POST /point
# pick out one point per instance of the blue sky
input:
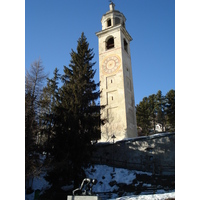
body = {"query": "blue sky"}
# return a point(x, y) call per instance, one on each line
point(52, 29)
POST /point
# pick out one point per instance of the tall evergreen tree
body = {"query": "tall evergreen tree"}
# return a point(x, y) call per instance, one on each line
point(152, 110)
point(170, 109)
point(160, 108)
point(77, 118)
point(156, 109)
point(83, 89)
point(80, 86)
point(143, 115)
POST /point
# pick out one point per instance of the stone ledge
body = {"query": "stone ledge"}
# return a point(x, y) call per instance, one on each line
point(83, 198)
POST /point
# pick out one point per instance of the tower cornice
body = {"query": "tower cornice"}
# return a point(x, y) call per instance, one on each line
point(102, 32)
point(120, 27)
point(125, 32)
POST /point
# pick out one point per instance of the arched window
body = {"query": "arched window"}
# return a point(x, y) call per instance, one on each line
point(117, 20)
point(110, 43)
point(108, 22)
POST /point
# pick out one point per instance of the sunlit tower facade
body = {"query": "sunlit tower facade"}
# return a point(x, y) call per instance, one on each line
point(116, 81)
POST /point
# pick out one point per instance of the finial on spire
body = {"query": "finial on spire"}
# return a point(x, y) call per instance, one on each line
point(112, 5)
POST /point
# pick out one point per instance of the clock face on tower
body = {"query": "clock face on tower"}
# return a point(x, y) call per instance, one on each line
point(111, 64)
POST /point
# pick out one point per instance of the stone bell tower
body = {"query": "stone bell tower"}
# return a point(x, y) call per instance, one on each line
point(116, 81)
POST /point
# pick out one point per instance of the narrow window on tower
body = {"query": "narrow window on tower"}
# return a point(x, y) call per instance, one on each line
point(117, 20)
point(125, 46)
point(110, 80)
point(123, 24)
point(108, 22)
point(110, 43)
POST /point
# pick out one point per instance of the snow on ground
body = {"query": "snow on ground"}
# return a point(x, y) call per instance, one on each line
point(104, 174)
point(149, 197)
point(39, 183)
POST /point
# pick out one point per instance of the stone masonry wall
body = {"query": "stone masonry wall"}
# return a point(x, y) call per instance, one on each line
point(154, 154)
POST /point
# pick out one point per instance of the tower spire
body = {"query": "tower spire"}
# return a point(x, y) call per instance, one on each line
point(112, 5)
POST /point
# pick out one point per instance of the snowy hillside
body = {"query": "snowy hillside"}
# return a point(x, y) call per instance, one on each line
point(105, 175)
point(39, 183)
point(110, 183)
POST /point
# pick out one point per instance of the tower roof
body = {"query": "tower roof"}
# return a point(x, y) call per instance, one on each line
point(112, 17)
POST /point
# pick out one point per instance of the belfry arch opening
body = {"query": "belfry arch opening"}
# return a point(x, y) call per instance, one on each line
point(110, 43)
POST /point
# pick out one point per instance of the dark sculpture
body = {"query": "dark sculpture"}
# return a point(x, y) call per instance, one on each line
point(86, 187)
